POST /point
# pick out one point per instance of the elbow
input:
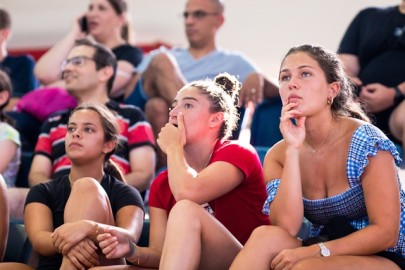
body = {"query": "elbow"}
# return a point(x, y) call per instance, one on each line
point(392, 240)
point(32, 179)
point(35, 178)
point(389, 237)
point(140, 180)
point(46, 77)
point(185, 194)
point(180, 195)
point(291, 227)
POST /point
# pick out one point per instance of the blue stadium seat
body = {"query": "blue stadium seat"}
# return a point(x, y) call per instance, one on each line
point(18, 245)
point(144, 239)
point(22, 176)
point(29, 128)
point(264, 130)
point(262, 151)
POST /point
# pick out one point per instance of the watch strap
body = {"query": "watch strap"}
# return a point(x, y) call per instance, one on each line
point(398, 93)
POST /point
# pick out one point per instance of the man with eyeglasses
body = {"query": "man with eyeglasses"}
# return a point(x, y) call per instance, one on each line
point(89, 72)
point(163, 72)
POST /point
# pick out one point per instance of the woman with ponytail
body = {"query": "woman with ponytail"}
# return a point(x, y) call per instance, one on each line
point(208, 201)
point(63, 217)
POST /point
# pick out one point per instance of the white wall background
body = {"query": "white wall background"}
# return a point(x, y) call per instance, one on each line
point(263, 29)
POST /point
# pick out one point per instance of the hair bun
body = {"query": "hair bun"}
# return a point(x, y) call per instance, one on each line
point(228, 82)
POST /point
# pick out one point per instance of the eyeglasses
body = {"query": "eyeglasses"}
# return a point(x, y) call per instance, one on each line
point(76, 61)
point(198, 14)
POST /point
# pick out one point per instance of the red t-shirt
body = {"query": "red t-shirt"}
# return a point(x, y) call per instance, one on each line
point(240, 210)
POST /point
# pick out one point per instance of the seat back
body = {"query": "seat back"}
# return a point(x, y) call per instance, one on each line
point(29, 128)
point(18, 245)
point(262, 151)
point(144, 239)
point(265, 130)
point(22, 176)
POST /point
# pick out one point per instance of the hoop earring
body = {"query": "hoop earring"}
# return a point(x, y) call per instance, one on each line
point(330, 101)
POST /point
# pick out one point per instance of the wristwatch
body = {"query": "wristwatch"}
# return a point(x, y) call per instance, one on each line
point(398, 93)
point(325, 252)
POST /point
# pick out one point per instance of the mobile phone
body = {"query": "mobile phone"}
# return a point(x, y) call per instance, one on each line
point(83, 24)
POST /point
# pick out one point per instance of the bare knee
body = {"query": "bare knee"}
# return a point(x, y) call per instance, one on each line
point(86, 185)
point(161, 63)
point(156, 105)
point(269, 232)
point(185, 208)
point(157, 113)
point(160, 66)
point(185, 212)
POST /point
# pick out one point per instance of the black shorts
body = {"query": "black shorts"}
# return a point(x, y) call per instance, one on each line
point(339, 227)
point(392, 256)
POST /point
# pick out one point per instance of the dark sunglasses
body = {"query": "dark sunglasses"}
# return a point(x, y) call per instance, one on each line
point(198, 14)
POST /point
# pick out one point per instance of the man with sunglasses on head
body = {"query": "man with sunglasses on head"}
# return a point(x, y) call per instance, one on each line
point(89, 72)
point(163, 72)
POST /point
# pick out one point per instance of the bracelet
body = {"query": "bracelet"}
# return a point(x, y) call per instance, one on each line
point(133, 248)
point(97, 229)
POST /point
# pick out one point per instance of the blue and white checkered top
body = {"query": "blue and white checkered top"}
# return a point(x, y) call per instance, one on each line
point(366, 141)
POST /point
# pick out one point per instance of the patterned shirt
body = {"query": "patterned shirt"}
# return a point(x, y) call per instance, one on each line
point(135, 131)
point(7, 132)
point(366, 141)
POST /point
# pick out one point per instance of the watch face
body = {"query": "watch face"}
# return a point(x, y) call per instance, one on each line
point(325, 252)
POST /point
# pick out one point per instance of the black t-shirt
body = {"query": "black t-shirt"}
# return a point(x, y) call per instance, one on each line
point(128, 53)
point(55, 193)
point(20, 69)
point(377, 37)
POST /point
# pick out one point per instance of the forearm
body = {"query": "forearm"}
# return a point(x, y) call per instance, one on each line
point(48, 67)
point(95, 228)
point(146, 257)
point(140, 179)
point(36, 178)
point(42, 243)
point(3, 230)
point(180, 173)
point(287, 208)
point(351, 64)
point(122, 78)
point(4, 219)
point(370, 240)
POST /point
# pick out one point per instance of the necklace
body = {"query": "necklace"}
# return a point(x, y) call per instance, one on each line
point(315, 149)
